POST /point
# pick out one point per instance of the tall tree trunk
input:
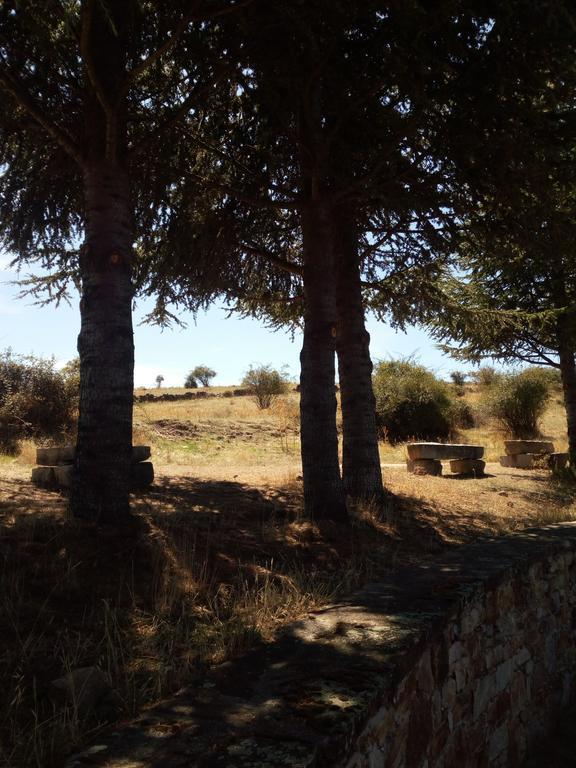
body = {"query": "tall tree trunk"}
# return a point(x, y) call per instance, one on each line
point(568, 376)
point(323, 490)
point(361, 471)
point(100, 490)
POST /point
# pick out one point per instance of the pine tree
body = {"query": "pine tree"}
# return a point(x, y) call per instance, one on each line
point(96, 88)
point(516, 293)
point(331, 164)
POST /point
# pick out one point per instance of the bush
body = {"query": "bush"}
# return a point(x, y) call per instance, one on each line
point(462, 415)
point(265, 384)
point(549, 374)
point(36, 400)
point(411, 403)
point(518, 401)
point(190, 382)
point(486, 376)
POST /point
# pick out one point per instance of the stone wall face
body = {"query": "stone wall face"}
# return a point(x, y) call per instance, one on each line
point(452, 662)
point(488, 681)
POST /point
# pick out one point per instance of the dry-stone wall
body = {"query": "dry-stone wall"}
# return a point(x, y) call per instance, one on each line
point(168, 397)
point(456, 663)
point(490, 680)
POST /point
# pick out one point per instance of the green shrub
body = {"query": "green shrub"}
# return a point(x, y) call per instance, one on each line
point(411, 403)
point(549, 374)
point(36, 400)
point(462, 415)
point(265, 384)
point(518, 401)
point(486, 376)
point(190, 381)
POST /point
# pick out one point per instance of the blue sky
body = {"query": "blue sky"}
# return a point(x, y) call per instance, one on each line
point(228, 345)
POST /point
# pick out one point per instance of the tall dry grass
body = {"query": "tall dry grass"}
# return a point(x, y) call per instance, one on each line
point(151, 608)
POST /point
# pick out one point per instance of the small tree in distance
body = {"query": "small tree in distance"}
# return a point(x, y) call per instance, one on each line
point(190, 381)
point(458, 378)
point(265, 384)
point(203, 374)
point(159, 380)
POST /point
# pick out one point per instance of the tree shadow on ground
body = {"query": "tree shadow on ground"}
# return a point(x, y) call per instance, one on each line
point(204, 571)
point(304, 699)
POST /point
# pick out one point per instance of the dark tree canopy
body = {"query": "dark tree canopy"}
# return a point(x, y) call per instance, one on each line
point(514, 298)
point(96, 91)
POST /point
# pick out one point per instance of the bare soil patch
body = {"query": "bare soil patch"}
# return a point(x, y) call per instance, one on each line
point(230, 431)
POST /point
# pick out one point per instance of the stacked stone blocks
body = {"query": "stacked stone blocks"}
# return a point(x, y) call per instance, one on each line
point(532, 454)
point(426, 458)
point(486, 688)
point(56, 467)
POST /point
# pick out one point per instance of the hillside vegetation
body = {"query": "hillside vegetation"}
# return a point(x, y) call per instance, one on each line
point(217, 558)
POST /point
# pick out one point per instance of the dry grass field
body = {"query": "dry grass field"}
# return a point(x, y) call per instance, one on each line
point(216, 558)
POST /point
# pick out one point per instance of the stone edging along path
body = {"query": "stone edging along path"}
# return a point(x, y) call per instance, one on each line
point(458, 662)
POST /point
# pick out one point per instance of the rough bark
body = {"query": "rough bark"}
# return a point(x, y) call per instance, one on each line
point(323, 490)
point(361, 471)
point(568, 376)
point(100, 489)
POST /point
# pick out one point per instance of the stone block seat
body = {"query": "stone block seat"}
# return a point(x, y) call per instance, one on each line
point(532, 454)
point(426, 458)
point(56, 467)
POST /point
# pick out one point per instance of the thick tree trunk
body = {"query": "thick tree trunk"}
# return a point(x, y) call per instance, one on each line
point(323, 490)
point(100, 491)
point(568, 375)
point(361, 471)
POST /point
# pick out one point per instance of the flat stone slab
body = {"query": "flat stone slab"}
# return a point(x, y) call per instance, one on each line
point(522, 461)
point(424, 467)
point(513, 447)
point(444, 451)
point(44, 477)
point(142, 475)
point(535, 460)
point(65, 454)
point(140, 453)
point(467, 466)
point(60, 476)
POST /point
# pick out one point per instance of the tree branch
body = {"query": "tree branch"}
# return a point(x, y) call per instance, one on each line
point(284, 264)
point(150, 60)
point(179, 30)
point(177, 115)
point(86, 53)
point(27, 102)
point(232, 8)
point(242, 197)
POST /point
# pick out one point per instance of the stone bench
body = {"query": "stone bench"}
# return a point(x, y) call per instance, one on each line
point(532, 454)
point(56, 467)
point(426, 458)
point(65, 454)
